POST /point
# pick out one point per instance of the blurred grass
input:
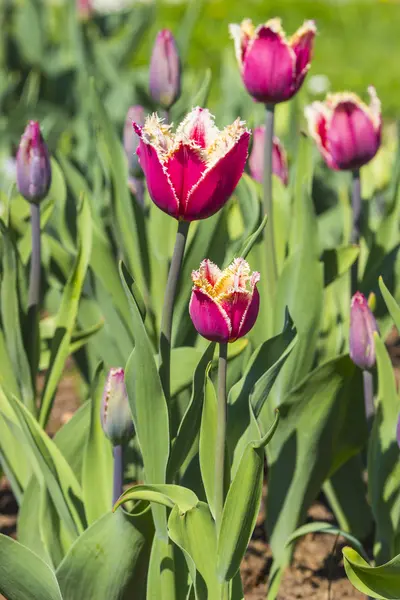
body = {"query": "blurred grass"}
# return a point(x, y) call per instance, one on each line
point(358, 41)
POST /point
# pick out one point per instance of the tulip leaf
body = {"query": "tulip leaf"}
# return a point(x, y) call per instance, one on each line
point(381, 582)
point(167, 494)
point(253, 238)
point(148, 404)
point(109, 560)
point(383, 459)
point(391, 303)
point(323, 527)
point(97, 468)
point(241, 507)
point(338, 261)
point(23, 575)
point(190, 424)
point(72, 437)
point(208, 440)
point(68, 311)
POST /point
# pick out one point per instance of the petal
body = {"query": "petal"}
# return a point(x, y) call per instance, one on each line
point(242, 35)
point(184, 167)
point(251, 314)
point(209, 319)
point(198, 127)
point(218, 182)
point(256, 158)
point(279, 161)
point(235, 305)
point(210, 271)
point(302, 43)
point(158, 182)
point(318, 115)
point(269, 66)
point(352, 137)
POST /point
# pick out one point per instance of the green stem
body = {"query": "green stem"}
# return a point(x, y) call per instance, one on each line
point(34, 293)
point(168, 308)
point(272, 271)
point(221, 434)
point(368, 383)
point(118, 473)
point(355, 233)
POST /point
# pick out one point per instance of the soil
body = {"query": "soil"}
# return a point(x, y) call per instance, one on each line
point(316, 573)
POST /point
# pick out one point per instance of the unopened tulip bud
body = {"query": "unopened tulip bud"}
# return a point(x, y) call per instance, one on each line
point(135, 114)
point(362, 328)
point(165, 70)
point(33, 165)
point(116, 418)
point(256, 159)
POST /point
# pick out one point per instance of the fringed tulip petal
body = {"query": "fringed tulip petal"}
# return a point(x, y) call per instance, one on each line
point(302, 43)
point(250, 316)
point(208, 317)
point(184, 167)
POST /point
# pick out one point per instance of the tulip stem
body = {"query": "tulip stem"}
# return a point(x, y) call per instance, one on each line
point(34, 293)
point(368, 382)
point(221, 433)
point(118, 473)
point(355, 233)
point(272, 269)
point(168, 308)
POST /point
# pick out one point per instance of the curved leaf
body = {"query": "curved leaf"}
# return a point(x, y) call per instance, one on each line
point(379, 582)
point(167, 495)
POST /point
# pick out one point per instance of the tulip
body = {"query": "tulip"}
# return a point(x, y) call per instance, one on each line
point(116, 419)
point(224, 304)
point(362, 328)
point(256, 159)
point(346, 130)
point(33, 165)
point(135, 114)
point(192, 173)
point(165, 70)
point(272, 67)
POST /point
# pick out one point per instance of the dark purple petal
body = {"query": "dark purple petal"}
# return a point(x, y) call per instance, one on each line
point(208, 317)
point(250, 316)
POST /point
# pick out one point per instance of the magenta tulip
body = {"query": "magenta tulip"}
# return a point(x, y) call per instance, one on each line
point(256, 159)
point(165, 70)
point(362, 328)
point(224, 304)
point(116, 419)
point(346, 130)
point(272, 67)
point(33, 164)
point(192, 173)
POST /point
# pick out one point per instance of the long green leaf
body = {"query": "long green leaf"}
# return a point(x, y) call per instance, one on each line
point(207, 444)
point(377, 582)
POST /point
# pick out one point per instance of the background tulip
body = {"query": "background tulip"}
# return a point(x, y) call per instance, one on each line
point(224, 304)
point(135, 114)
point(256, 158)
point(165, 70)
point(33, 164)
point(362, 328)
point(346, 130)
point(272, 67)
point(192, 173)
point(116, 418)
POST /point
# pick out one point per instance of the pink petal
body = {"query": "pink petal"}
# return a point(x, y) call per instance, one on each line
point(210, 271)
point(302, 44)
point(218, 183)
point(236, 306)
point(251, 315)
point(256, 159)
point(279, 161)
point(208, 317)
point(269, 67)
point(317, 117)
point(352, 137)
point(184, 168)
point(158, 183)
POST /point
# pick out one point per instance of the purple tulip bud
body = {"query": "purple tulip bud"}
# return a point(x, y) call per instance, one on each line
point(362, 328)
point(398, 431)
point(33, 165)
point(165, 70)
point(116, 418)
point(135, 114)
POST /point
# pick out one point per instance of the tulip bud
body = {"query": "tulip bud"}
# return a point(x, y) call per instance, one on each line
point(135, 114)
point(165, 70)
point(33, 165)
point(116, 418)
point(362, 328)
point(256, 159)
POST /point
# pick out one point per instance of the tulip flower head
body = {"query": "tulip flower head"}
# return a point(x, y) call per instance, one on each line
point(116, 418)
point(256, 159)
point(33, 165)
point(224, 304)
point(362, 328)
point(135, 114)
point(192, 173)
point(165, 70)
point(272, 67)
point(346, 130)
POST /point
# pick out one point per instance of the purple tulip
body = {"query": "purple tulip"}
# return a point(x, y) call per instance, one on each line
point(116, 418)
point(224, 304)
point(135, 114)
point(191, 173)
point(33, 165)
point(165, 70)
point(362, 328)
point(346, 130)
point(273, 68)
point(256, 159)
